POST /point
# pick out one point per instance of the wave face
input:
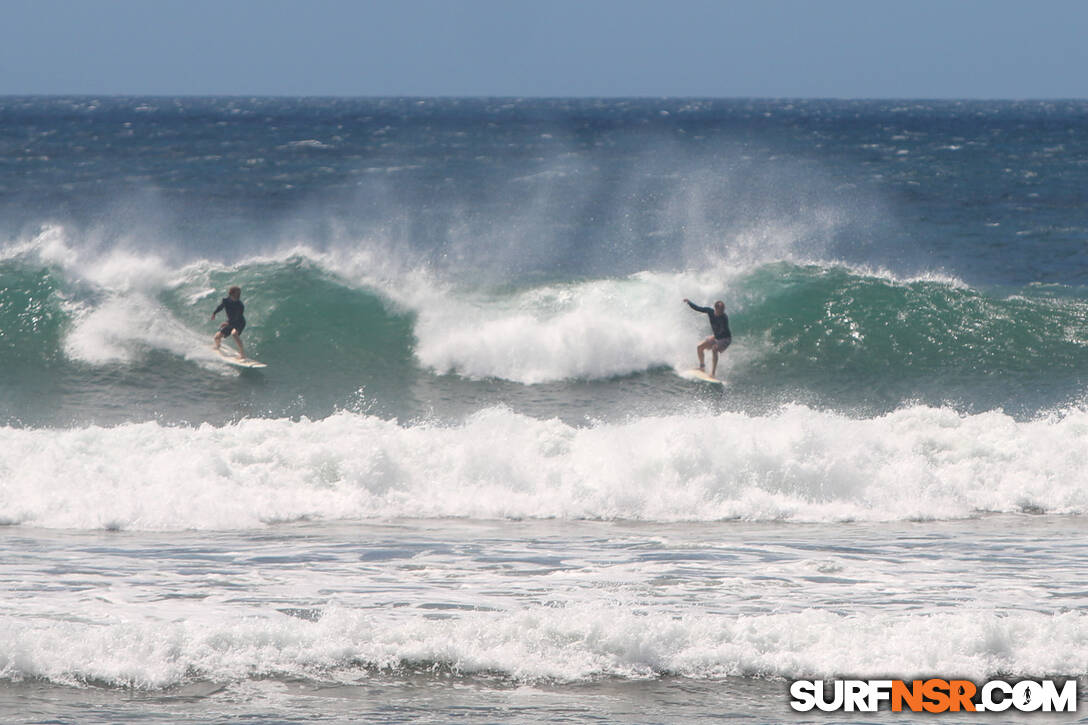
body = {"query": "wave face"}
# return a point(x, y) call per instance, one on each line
point(351, 328)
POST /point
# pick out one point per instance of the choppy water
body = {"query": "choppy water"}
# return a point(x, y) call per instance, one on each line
point(469, 483)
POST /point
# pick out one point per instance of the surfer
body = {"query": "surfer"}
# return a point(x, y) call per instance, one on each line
point(236, 321)
point(719, 323)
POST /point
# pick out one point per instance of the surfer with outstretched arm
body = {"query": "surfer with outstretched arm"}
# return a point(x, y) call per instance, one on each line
point(236, 321)
point(719, 323)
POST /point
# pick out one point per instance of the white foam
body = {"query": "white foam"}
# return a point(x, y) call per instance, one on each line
point(595, 329)
point(122, 328)
point(116, 316)
point(111, 646)
point(796, 465)
point(309, 143)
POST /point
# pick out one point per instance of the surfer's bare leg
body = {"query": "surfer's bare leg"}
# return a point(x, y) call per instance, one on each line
point(714, 365)
point(705, 345)
point(218, 339)
point(242, 351)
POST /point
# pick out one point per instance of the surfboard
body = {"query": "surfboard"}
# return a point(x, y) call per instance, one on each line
point(231, 358)
point(700, 376)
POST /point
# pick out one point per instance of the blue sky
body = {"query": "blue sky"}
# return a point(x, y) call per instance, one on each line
point(717, 48)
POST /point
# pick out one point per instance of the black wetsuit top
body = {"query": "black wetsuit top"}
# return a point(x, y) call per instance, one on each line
point(234, 309)
point(718, 323)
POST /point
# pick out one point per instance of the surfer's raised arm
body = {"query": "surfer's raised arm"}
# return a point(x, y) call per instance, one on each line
point(697, 308)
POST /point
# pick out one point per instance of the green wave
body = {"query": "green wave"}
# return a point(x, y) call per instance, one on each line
point(816, 321)
point(823, 329)
point(301, 314)
point(329, 341)
point(32, 317)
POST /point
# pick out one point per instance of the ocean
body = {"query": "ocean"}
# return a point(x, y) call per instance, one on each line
point(470, 485)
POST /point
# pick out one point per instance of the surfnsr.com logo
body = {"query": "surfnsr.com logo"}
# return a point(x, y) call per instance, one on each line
point(934, 695)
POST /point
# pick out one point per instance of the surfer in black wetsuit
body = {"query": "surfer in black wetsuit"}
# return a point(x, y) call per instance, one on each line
point(719, 323)
point(236, 321)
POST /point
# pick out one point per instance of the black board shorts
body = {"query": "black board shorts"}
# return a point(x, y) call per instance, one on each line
point(226, 327)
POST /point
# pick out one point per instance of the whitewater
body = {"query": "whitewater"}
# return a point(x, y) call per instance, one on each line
point(797, 465)
point(470, 484)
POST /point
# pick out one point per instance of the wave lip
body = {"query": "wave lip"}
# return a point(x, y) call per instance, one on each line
point(797, 465)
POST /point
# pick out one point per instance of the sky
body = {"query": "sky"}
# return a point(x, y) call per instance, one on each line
point(971, 49)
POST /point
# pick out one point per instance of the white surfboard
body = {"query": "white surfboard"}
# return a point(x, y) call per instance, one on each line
point(700, 376)
point(231, 358)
